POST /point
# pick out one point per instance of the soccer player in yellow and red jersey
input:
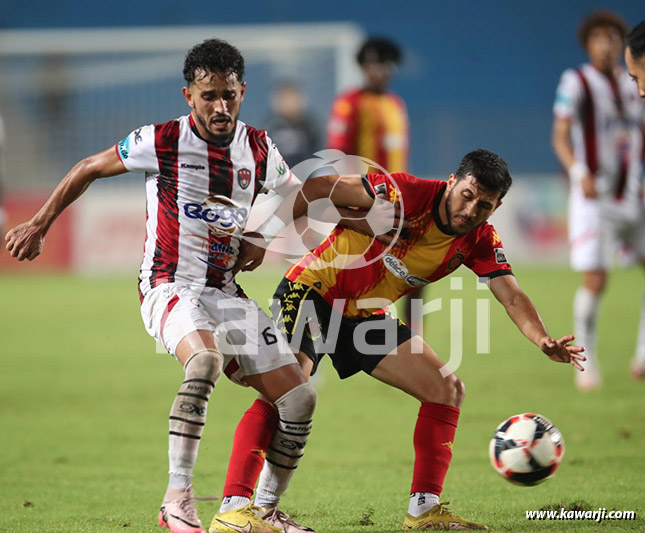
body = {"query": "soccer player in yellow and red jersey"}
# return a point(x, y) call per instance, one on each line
point(331, 295)
point(372, 121)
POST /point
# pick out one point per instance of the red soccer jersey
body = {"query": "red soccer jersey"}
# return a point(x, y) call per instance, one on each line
point(371, 125)
point(350, 266)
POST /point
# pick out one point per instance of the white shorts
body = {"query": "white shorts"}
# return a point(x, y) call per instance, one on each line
point(598, 228)
point(247, 338)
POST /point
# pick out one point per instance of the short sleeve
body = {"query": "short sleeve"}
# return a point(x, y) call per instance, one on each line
point(278, 172)
point(341, 128)
point(568, 96)
point(414, 194)
point(137, 151)
point(487, 258)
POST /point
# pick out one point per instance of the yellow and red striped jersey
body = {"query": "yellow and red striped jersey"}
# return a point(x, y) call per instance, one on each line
point(371, 125)
point(351, 266)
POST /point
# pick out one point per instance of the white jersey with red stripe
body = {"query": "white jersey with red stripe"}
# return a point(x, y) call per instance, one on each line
point(198, 199)
point(606, 127)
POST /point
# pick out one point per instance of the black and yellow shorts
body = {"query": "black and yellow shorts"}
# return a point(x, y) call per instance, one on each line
point(313, 327)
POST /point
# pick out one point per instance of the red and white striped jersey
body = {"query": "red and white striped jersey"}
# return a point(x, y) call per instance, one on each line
point(606, 127)
point(198, 199)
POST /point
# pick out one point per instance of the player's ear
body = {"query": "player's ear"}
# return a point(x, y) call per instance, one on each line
point(451, 181)
point(242, 91)
point(188, 96)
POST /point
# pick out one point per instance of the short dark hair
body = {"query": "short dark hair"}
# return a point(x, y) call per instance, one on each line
point(489, 169)
point(213, 55)
point(380, 49)
point(601, 18)
point(636, 41)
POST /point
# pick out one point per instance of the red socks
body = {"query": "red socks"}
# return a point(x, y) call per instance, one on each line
point(434, 435)
point(251, 441)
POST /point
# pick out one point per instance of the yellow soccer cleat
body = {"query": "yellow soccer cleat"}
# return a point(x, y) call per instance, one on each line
point(243, 520)
point(439, 517)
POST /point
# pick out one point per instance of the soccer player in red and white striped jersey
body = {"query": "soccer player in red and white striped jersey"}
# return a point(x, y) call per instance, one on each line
point(202, 173)
point(598, 138)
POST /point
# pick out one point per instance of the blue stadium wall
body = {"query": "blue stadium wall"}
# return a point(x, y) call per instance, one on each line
point(476, 73)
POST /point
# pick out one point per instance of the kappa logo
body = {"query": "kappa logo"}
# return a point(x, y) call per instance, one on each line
point(137, 136)
point(281, 168)
point(244, 177)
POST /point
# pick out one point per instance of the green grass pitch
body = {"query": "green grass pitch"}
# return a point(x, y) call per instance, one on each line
point(85, 400)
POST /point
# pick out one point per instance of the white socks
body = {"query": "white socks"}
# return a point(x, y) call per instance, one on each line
point(420, 502)
point(233, 502)
point(585, 314)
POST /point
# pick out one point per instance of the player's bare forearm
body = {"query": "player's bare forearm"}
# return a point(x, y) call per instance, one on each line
point(343, 191)
point(75, 183)
point(25, 241)
point(519, 308)
point(561, 142)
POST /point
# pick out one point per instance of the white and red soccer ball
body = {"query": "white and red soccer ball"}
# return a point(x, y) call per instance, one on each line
point(526, 449)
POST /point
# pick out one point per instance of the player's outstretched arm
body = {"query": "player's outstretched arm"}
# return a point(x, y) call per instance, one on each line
point(25, 241)
point(526, 317)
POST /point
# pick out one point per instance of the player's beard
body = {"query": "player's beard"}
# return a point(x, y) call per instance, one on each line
point(219, 139)
point(449, 217)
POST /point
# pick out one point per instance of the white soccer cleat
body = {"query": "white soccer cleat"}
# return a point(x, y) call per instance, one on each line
point(589, 380)
point(179, 515)
point(638, 368)
point(277, 518)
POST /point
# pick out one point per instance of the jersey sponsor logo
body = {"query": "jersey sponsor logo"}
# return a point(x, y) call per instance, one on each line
point(396, 266)
point(124, 147)
point(215, 254)
point(193, 167)
point(500, 256)
point(220, 213)
point(415, 281)
point(244, 177)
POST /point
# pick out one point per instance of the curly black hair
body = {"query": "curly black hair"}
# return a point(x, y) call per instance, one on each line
point(636, 41)
point(380, 49)
point(489, 169)
point(213, 55)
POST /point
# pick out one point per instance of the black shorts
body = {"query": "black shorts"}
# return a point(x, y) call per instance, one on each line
point(313, 327)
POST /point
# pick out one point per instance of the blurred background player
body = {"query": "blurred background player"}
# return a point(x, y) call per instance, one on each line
point(598, 139)
point(292, 128)
point(635, 61)
point(372, 121)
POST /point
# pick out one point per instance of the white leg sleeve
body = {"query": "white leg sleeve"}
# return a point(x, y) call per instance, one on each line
point(295, 409)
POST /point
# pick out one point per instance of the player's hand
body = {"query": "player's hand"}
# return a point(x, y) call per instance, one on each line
point(560, 351)
point(252, 250)
point(589, 188)
point(25, 241)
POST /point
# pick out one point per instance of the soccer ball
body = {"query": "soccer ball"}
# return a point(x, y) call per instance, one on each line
point(526, 449)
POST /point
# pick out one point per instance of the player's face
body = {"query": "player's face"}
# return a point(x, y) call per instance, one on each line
point(636, 69)
point(378, 73)
point(604, 47)
point(215, 99)
point(468, 205)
